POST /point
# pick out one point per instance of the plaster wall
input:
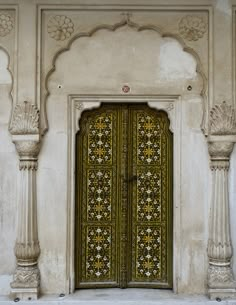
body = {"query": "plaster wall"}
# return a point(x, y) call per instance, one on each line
point(8, 161)
point(100, 65)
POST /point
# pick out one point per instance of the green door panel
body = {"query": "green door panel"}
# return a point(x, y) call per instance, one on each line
point(124, 198)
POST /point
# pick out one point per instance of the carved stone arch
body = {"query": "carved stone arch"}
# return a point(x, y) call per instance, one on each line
point(127, 22)
point(11, 76)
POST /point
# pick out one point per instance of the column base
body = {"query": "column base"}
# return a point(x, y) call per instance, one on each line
point(221, 282)
point(26, 281)
point(25, 294)
point(221, 293)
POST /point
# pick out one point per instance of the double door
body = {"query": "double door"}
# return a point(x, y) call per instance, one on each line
point(124, 198)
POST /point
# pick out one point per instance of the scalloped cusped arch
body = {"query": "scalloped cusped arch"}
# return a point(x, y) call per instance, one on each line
point(125, 25)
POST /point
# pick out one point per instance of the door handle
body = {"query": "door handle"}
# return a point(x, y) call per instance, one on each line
point(133, 178)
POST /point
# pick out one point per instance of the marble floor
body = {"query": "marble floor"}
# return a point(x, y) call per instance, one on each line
point(129, 296)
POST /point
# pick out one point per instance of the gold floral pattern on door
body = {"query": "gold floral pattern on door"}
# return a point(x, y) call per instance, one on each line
point(99, 195)
point(151, 193)
point(97, 214)
point(124, 181)
point(100, 140)
point(148, 252)
point(98, 252)
point(148, 194)
point(148, 140)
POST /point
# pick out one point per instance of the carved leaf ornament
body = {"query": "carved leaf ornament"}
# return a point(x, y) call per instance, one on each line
point(222, 120)
point(25, 119)
point(192, 27)
point(60, 27)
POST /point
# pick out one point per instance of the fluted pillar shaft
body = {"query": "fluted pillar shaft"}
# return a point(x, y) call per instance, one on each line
point(220, 275)
point(27, 277)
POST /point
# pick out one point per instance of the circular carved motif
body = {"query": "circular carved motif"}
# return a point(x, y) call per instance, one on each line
point(126, 89)
point(6, 24)
point(192, 27)
point(60, 27)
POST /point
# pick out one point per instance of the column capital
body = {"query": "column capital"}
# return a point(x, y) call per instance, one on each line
point(28, 147)
point(222, 131)
point(25, 134)
point(220, 150)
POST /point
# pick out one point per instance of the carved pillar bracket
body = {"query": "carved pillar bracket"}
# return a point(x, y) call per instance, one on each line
point(220, 279)
point(25, 134)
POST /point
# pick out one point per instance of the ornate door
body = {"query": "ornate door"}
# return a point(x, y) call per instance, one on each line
point(124, 198)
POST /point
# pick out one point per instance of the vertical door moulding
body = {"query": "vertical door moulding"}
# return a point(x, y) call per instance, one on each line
point(25, 134)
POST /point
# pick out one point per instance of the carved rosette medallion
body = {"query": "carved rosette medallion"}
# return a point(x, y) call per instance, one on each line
point(79, 105)
point(192, 28)
point(6, 24)
point(170, 107)
point(60, 27)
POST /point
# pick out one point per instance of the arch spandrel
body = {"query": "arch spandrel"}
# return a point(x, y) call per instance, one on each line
point(201, 90)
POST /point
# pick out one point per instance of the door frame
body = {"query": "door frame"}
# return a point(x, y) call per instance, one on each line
point(76, 105)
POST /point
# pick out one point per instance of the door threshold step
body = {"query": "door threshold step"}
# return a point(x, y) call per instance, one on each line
point(130, 296)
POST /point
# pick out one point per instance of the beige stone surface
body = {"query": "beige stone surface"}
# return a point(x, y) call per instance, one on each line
point(8, 182)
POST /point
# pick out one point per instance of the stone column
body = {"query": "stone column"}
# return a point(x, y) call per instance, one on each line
point(220, 275)
point(221, 282)
point(25, 135)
